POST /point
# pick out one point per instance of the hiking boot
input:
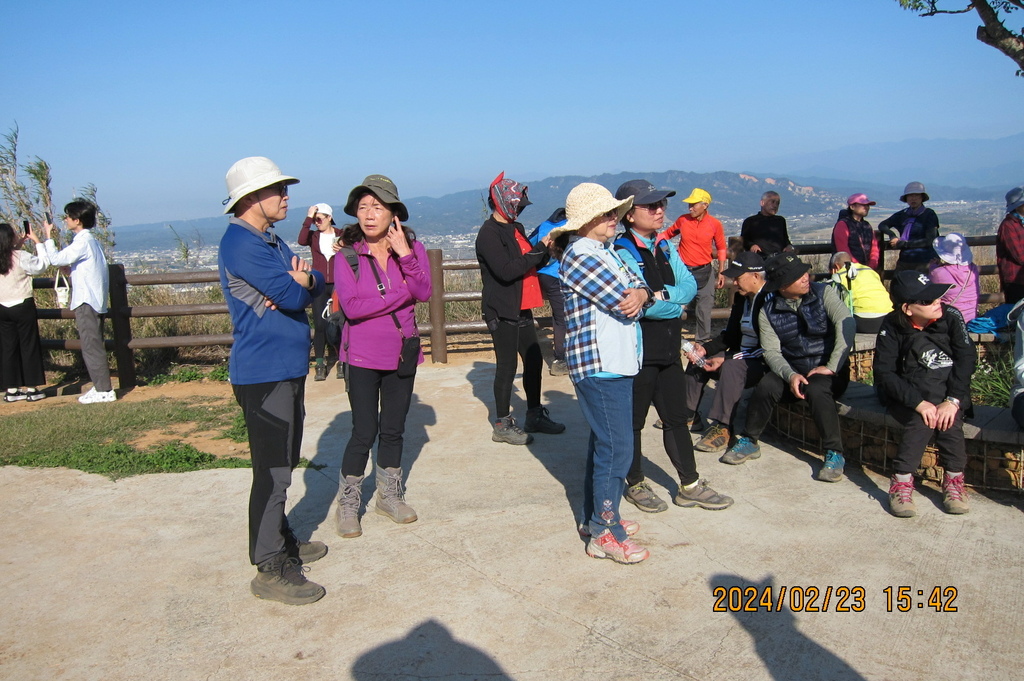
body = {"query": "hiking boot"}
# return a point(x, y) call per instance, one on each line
point(630, 526)
point(744, 448)
point(321, 372)
point(954, 495)
point(643, 497)
point(340, 373)
point(305, 551)
point(506, 430)
point(703, 496)
point(281, 579)
point(94, 396)
point(605, 545)
point(901, 498)
point(832, 471)
point(537, 421)
point(346, 513)
point(715, 439)
point(391, 496)
point(697, 423)
point(559, 368)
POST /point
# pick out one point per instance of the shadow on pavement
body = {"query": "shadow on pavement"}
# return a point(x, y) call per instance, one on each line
point(787, 652)
point(427, 652)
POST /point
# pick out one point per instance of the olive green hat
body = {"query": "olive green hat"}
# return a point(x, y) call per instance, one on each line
point(386, 192)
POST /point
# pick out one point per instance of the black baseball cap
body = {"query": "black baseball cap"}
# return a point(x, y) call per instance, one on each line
point(642, 191)
point(782, 270)
point(745, 261)
point(910, 285)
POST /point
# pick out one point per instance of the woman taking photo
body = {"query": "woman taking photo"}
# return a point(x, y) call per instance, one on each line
point(604, 299)
point(319, 233)
point(379, 302)
point(21, 357)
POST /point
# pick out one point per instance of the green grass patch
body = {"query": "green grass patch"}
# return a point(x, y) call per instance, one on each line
point(96, 440)
point(992, 383)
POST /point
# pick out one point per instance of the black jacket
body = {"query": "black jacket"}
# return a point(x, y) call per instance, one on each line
point(731, 337)
point(929, 364)
point(502, 267)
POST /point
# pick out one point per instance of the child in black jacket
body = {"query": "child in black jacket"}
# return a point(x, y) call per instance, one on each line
point(924, 360)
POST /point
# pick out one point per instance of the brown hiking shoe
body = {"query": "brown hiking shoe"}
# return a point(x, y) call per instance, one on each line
point(280, 579)
point(901, 498)
point(703, 496)
point(643, 497)
point(716, 439)
point(954, 495)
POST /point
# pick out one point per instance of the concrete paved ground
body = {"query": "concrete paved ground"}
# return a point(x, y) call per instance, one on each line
point(147, 577)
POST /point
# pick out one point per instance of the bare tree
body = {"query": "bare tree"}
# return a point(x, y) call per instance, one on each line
point(992, 32)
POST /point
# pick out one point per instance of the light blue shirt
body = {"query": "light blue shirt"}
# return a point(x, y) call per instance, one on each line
point(90, 281)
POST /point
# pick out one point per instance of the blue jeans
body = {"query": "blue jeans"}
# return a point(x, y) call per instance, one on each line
point(607, 404)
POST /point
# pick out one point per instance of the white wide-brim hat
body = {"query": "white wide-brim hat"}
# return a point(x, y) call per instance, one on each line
point(249, 175)
point(953, 249)
point(585, 202)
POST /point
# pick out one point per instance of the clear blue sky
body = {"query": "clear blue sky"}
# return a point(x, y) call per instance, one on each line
point(153, 102)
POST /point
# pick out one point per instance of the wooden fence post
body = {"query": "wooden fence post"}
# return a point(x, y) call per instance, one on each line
point(120, 319)
point(438, 334)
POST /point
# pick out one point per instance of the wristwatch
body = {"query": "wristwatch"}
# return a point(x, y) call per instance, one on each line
point(954, 401)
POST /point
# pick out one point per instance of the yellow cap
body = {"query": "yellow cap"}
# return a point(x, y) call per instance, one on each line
point(698, 196)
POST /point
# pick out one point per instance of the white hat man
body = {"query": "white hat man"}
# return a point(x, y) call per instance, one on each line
point(267, 289)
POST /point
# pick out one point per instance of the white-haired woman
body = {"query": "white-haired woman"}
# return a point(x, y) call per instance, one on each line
point(603, 301)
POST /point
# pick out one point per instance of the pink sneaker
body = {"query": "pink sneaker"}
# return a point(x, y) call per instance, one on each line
point(605, 545)
point(630, 526)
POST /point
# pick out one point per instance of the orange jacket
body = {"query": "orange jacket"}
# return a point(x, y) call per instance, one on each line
point(698, 238)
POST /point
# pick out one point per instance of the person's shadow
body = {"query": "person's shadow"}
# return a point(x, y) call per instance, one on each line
point(427, 652)
point(321, 477)
point(787, 652)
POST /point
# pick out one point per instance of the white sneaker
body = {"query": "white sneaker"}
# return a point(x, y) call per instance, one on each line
point(94, 396)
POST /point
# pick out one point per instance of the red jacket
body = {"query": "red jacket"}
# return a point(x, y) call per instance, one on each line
point(311, 237)
point(1010, 249)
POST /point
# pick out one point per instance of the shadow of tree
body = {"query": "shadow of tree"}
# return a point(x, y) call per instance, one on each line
point(787, 652)
point(428, 652)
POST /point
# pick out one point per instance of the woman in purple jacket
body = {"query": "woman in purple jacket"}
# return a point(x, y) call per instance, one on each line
point(379, 302)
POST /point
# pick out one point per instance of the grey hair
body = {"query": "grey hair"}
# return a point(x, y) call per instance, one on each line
point(840, 258)
point(769, 194)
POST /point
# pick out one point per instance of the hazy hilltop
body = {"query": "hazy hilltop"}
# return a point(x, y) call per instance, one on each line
point(735, 196)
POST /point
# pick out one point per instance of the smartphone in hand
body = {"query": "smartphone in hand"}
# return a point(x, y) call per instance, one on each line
point(28, 227)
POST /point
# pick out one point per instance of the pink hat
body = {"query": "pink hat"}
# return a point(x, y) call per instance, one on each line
point(859, 198)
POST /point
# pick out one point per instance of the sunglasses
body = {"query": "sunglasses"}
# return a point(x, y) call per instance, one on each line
point(653, 207)
point(924, 303)
point(611, 215)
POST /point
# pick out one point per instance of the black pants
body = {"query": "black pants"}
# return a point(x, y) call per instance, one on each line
point(380, 403)
point(662, 385)
point(273, 413)
point(21, 357)
point(916, 436)
point(820, 392)
point(869, 324)
point(552, 288)
point(512, 338)
point(1012, 292)
point(319, 323)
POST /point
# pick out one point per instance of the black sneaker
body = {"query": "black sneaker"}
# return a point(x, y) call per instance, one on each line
point(280, 579)
point(537, 421)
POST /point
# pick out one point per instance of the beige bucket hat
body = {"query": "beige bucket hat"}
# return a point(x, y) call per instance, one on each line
point(249, 175)
point(585, 202)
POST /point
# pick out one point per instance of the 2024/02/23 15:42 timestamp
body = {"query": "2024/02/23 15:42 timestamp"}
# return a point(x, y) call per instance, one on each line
point(906, 598)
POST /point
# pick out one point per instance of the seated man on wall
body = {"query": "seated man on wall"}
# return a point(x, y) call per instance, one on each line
point(765, 232)
point(733, 357)
point(806, 332)
point(863, 291)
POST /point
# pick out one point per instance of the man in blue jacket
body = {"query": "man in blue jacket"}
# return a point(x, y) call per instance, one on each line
point(267, 289)
point(661, 380)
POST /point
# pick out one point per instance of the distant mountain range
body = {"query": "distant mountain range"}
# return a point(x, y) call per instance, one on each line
point(735, 195)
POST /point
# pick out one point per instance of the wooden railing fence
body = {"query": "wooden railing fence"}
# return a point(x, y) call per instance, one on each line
point(438, 328)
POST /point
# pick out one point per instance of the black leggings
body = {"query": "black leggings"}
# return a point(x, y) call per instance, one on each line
point(319, 323)
point(512, 338)
point(380, 402)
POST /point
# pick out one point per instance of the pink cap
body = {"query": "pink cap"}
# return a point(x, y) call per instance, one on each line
point(859, 198)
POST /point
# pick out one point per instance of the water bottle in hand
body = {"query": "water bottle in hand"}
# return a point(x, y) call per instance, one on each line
point(688, 348)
